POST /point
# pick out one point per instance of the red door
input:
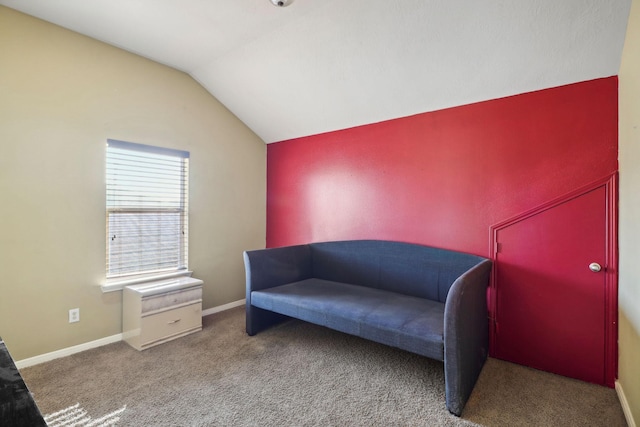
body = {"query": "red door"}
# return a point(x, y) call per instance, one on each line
point(550, 298)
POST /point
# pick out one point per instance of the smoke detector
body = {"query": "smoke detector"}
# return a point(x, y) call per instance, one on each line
point(281, 3)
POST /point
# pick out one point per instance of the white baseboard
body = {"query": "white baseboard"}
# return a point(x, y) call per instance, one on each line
point(625, 405)
point(67, 351)
point(25, 363)
point(223, 307)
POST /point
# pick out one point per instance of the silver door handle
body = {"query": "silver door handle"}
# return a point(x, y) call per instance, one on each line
point(595, 267)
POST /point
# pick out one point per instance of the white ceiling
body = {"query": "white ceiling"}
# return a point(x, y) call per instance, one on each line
point(318, 66)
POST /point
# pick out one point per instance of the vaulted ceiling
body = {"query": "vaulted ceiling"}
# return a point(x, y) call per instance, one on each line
point(317, 66)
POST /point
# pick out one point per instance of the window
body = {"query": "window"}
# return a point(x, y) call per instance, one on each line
point(147, 210)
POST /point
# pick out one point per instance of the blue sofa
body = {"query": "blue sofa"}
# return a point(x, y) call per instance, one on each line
point(417, 298)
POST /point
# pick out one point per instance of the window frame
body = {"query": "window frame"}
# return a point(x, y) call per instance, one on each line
point(119, 280)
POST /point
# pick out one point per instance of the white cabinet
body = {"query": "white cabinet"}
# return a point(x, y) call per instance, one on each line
point(154, 313)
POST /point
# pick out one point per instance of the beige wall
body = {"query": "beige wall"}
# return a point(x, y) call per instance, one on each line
point(629, 231)
point(61, 96)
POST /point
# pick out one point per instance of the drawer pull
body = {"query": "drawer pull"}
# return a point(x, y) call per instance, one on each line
point(173, 321)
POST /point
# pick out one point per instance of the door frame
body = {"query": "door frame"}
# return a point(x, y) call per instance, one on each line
point(610, 184)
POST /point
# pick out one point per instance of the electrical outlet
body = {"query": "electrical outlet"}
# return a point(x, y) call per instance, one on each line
point(74, 315)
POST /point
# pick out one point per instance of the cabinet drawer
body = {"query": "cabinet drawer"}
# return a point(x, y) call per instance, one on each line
point(171, 299)
point(168, 324)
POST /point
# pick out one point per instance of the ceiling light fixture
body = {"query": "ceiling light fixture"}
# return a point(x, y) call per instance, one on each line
point(281, 3)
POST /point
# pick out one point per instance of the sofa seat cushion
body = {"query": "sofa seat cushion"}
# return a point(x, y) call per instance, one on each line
point(406, 322)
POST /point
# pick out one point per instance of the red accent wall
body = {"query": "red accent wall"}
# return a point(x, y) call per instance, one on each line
point(442, 178)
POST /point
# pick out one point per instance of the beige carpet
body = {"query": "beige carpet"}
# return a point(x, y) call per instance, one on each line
point(299, 374)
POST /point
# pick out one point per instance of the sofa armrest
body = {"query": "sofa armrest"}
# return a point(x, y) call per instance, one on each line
point(267, 268)
point(466, 334)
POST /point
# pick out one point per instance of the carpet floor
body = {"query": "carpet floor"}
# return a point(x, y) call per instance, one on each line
point(298, 374)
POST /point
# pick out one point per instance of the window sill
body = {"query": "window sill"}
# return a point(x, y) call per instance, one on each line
point(114, 285)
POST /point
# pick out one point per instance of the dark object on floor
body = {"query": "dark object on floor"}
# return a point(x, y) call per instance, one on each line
point(17, 407)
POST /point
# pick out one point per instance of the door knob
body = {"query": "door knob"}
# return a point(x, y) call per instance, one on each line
point(595, 267)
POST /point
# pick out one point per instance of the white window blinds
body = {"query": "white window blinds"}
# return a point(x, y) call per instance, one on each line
point(147, 209)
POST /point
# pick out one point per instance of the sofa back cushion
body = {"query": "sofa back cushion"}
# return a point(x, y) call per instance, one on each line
point(409, 269)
